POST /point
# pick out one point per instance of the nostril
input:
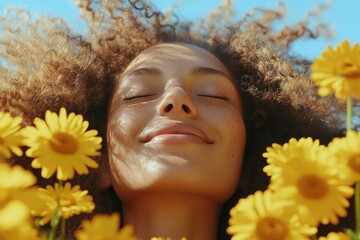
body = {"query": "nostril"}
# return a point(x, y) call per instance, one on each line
point(168, 107)
point(186, 108)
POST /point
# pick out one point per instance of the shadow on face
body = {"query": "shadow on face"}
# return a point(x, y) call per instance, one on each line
point(175, 124)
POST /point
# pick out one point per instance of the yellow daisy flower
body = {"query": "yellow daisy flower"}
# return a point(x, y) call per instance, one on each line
point(277, 154)
point(10, 135)
point(314, 182)
point(15, 177)
point(103, 227)
point(346, 151)
point(16, 223)
point(262, 216)
point(73, 201)
point(17, 184)
point(61, 143)
point(338, 71)
point(336, 236)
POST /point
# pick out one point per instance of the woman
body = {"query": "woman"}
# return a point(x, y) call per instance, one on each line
point(176, 103)
point(175, 141)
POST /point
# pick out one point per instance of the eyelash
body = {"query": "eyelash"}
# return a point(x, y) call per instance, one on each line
point(130, 97)
point(225, 98)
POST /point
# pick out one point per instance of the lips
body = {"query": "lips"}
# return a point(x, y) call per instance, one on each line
point(173, 129)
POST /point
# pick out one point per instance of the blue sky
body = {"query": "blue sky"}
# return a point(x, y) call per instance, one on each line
point(343, 16)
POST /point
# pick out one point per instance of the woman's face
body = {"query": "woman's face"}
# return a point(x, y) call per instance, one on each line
point(175, 124)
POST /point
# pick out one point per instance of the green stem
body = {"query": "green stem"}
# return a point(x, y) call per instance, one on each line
point(56, 216)
point(348, 114)
point(53, 225)
point(52, 234)
point(63, 228)
point(59, 194)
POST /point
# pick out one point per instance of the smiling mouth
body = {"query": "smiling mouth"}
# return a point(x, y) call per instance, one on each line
point(177, 138)
point(176, 133)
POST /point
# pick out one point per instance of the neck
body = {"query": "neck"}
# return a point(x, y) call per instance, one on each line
point(172, 215)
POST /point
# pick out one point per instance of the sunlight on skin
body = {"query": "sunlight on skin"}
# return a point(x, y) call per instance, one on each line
point(181, 159)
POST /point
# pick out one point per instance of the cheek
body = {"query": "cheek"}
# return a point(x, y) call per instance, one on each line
point(233, 133)
point(230, 128)
point(238, 132)
point(123, 128)
point(125, 123)
point(119, 129)
point(230, 125)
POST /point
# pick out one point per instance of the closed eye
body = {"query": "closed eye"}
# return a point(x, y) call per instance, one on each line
point(225, 98)
point(134, 96)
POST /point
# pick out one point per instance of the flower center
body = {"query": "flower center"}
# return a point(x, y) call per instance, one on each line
point(63, 143)
point(312, 186)
point(348, 69)
point(68, 201)
point(354, 163)
point(270, 228)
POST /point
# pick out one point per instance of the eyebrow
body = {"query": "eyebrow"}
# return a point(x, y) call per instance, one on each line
point(195, 71)
point(145, 71)
point(208, 70)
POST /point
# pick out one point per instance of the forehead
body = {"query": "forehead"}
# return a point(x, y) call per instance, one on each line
point(178, 54)
point(168, 60)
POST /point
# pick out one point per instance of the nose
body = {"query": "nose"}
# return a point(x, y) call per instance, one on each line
point(176, 101)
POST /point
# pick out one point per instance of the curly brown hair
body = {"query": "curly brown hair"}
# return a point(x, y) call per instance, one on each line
point(45, 65)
